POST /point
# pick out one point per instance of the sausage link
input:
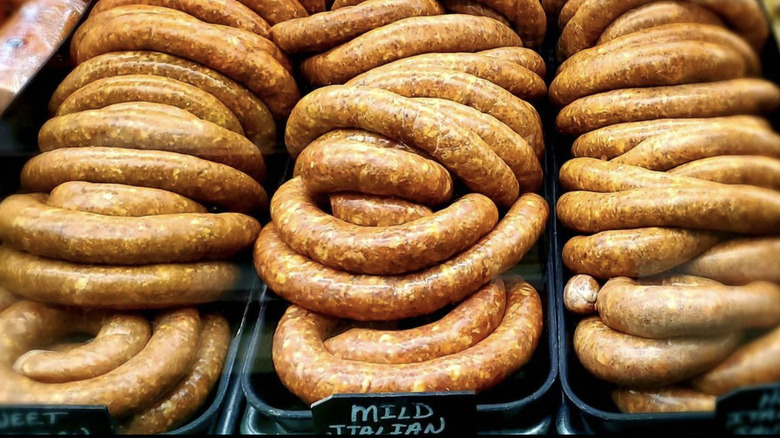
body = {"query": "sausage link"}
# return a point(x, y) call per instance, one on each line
point(142, 379)
point(746, 17)
point(739, 261)
point(310, 372)
point(381, 251)
point(325, 31)
point(724, 98)
point(139, 127)
point(240, 55)
point(734, 169)
point(116, 287)
point(635, 253)
point(466, 325)
point(225, 12)
point(646, 363)
point(752, 364)
point(119, 200)
point(567, 12)
point(181, 402)
point(527, 15)
point(147, 88)
point(465, 89)
point(580, 294)
point(255, 118)
point(354, 166)
point(6, 299)
point(117, 338)
point(473, 7)
point(363, 297)
point(276, 11)
point(669, 399)
point(201, 180)
point(519, 55)
point(458, 149)
point(436, 34)
point(671, 63)
point(670, 311)
point(594, 175)
point(669, 150)
point(611, 141)
point(375, 211)
point(737, 209)
point(657, 14)
point(27, 223)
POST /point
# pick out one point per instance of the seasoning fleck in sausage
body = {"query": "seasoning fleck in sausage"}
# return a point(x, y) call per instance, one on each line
point(734, 169)
point(739, 261)
point(120, 200)
point(669, 399)
point(375, 211)
point(657, 14)
point(580, 294)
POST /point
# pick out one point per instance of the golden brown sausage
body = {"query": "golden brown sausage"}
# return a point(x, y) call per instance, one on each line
point(594, 175)
point(527, 15)
point(739, 261)
point(6, 299)
point(473, 7)
point(567, 12)
point(580, 294)
point(734, 169)
point(276, 11)
point(375, 211)
point(657, 14)
point(119, 200)
point(519, 55)
point(669, 399)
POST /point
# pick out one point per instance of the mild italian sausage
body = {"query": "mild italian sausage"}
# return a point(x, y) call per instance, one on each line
point(657, 14)
point(734, 169)
point(519, 55)
point(670, 399)
point(580, 294)
point(375, 211)
point(363, 297)
point(527, 15)
point(276, 11)
point(739, 261)
point(120, 200)
point(473, 7)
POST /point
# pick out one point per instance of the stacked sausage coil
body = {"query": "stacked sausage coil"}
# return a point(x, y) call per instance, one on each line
point(674, 186)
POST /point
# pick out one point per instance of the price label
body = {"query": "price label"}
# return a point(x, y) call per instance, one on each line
point(751, 411)
point(55, 420)
point(396, 414)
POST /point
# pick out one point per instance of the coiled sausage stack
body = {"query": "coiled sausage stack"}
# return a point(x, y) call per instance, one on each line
point(675, 183)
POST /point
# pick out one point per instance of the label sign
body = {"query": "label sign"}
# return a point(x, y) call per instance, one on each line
point(396, 414)
point(56, 420)
point(754, 410)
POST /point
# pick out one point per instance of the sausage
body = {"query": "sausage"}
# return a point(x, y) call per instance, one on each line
point(116, 287)
point(595, 175)
point(6, 299)
point(255, 118)
point(508, 75)
point(117, 338)
point(325, 31)
point(671, 63)
point(553, 7)
point(724, 98)
point(139, 127)
point(276, 11)
point(567, 12)
point(465, 326)
point(673, 279)
point(139, 381)
point(148, 88)
point(468, 90)
point(307, 369)
point(669, 399)
point(635, 253)
point(349, 165)
point(437, 34)
point(241, 55)
point(739, 261)
point(636, 362)
point(28, 224)
point(519, 55)
point(313, 6)
point(375, 211)
point(506, 143)
point(580, 293)
point(737, 209)
point(381, 251)
point(746, 17)
point(458, 149)
point(181, 402)
point(29, 37)
point(200, 180)
point(225, 12)
point(669, 150)
point(338, 4)
point(119, 200)
point(611, 141)
point(734, 169)
point(527, 15)
point(362, 136)
point(656, 14)
point(362, 297)
point(752, 364)
point(670, 311)
point(473, 7)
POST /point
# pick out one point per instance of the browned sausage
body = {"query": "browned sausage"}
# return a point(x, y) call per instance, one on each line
point(724, 98)
point(473, 7)
point(137, 125)
point(669, 399)
point(747, 17)
point(527, 15)
point(594, 175)
point(119, 200)
point(580, 294)
point(739, 261)
point(6, 299)
point(657, 14)
point(519, 55)
point(381, 251)
point(313, 6)
point(311, 373)
point(734, 169)
point(116, 287)
point(458, 149)
point(201, 180)
point(442, 33)
point(647, 363)
point(364, 297)
point(325, 31)
point(466, 325)
point(27, 223)
point(567, 12)
point(375, 211)
point(276, 11)
point(338, 4)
